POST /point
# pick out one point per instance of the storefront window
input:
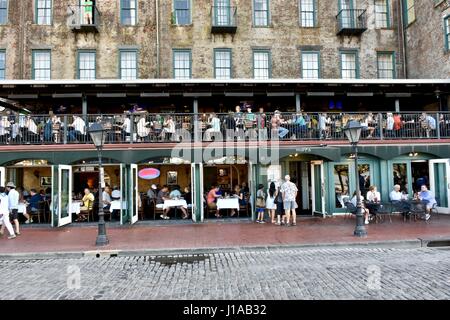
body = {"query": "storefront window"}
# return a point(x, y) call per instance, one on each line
point(341, 184)
point(400, 174)
point(364, 178)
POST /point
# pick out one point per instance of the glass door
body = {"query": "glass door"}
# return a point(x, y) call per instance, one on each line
point(134, 193)
point(440, 183)
point(197, 191)
point(123, 194)
point(317, 187)
point(347, 18)
point(401, 175)
point(222, 12)
point(61, 195)
point(2, 176)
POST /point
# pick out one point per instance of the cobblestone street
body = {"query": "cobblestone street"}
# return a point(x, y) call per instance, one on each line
point(352, 273)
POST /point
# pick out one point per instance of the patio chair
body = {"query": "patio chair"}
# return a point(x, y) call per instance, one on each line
point(351, 209)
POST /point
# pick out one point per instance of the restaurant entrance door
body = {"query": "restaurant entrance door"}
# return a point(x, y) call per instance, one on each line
point(61, 195)
point(440, 183)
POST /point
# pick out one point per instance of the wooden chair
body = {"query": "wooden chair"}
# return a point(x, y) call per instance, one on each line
point(88, 212)
point(39, 211)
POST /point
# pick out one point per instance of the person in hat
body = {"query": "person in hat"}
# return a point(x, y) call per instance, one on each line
point(151, 193)
point(13, 199)
point(4, 214)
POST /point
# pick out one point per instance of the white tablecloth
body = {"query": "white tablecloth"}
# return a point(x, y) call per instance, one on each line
point(174, 203)
point(115, 205)
point(75, 207)
point(21, 208)
point(231, 203)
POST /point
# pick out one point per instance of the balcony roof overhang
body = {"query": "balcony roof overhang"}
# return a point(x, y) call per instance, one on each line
point(208, 87)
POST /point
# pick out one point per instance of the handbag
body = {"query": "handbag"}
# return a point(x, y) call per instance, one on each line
point(260, 203)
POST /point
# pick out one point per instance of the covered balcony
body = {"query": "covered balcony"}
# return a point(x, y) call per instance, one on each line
point(223, 19)
point(83, 18)
point(351, 22)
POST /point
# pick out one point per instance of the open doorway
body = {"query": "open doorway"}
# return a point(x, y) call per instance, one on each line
point(420, 175)
point(300, 172)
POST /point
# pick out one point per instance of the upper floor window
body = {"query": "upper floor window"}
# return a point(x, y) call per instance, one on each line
point(2, 64)
point(128, 64)
point(409, 11)
point(447, 33)
point(261, 13)
point(3, 11)
point(308, 13)
point(41, 65)
point(382, 14)
point(222, 64)
point(261, 64)
point(386, 65)
point(43, 11)
point(86, 65)
point(182, 68)
point(349, 65)
point(310, 65)
point(128, 12)
point(182, 12)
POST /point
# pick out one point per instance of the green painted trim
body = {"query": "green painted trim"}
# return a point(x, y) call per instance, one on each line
point(269, 57)
point(7, 13)
point(36, 13)
point(392, 54)
point(3, 51)
point(33, 70)
point(174, 14)
point(79, 51)
point(190, 61)
point(388, 14)
point(406, 21)
point(215, 50)
point(226, 4)
point(121, 13)
point(267, 15)
point(350, 51)
point(315, 18)
point(135, 51)
point(318, 60)
point(447, 32)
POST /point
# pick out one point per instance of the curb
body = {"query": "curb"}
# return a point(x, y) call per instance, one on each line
point(395, 244)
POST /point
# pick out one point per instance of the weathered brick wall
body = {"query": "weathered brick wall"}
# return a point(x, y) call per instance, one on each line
point(284, 37)
point(425, 42)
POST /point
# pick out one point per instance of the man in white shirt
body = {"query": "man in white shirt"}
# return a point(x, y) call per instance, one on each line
point(106, 199)
point(289, 191)
point(79, 128)
point(126, 128)
point(397, 199)
point(4, 214)
point(373, 200)
point(13, 199)
point(32, 129)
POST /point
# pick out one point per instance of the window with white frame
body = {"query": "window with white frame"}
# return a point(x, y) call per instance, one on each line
point(2, 64)
point(386, 65)
point(3, 11)
point(308, 13)
point(128, 12)
point(382, 14)
point(222, 64)
point(349, 65)
point(41, 65)
point(43, 12)
point(128, 64)
point(310, 65)
point(86, 65)
point(261, 13)
point(261, 64)
point(182, 64)
point(182, 12)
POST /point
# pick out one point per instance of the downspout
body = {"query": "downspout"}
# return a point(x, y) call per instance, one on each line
point(22, 25)
point(157, 40)
point(402, 42)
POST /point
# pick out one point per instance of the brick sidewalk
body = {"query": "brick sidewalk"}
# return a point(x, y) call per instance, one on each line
point(309, 231)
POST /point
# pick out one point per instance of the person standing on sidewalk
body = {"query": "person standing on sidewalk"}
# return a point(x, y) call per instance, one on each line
point(289, 191)
point(270, 202)
point(260, 203)
point(4, 214)
point(13, 198)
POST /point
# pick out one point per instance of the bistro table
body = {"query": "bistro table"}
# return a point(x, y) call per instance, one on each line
point(115, 205)
point(228, 203)
point(22, 208)
point(75, 207)
point(418, 207)
point(174, 203)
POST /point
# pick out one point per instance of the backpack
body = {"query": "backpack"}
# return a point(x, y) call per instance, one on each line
point(279, 197)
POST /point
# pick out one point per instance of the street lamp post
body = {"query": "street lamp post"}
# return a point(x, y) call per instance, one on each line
point(98, 136)
point(353, 133)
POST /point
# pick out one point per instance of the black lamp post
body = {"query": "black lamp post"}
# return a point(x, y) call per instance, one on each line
point(353, 133)
point(98, 136)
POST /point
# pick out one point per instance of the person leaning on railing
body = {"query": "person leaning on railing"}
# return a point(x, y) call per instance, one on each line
point(5, 127)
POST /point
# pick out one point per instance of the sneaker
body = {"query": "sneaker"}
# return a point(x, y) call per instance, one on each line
point(161, 216)
point(277, 224)
point(17, 233)
point(167, 218)
point(27, 222)
point(366, 222)
point(427, 217)
point(12, 237)
point(262, 221)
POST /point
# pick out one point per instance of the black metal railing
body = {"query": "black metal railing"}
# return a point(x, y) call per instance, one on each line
point(156, 128)
point(352, 21)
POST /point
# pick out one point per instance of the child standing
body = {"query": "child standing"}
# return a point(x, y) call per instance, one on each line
point(260, 203)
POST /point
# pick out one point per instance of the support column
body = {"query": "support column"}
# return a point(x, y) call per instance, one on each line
point(397, 105)
point(298, 102)
point(84, 106)
point(197, 130)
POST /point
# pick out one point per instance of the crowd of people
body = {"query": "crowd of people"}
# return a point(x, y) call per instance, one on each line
point(142, 126)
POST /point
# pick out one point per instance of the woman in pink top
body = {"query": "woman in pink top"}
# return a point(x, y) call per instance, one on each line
point(211, 200)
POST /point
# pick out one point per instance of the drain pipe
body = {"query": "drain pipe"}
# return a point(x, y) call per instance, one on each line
point(402, 43)
point(157, 40)
point(22, 25)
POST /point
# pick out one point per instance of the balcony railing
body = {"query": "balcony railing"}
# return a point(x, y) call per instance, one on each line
point(351, 22)
point(84, 18)
point(223, 19)
point(156, 128)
